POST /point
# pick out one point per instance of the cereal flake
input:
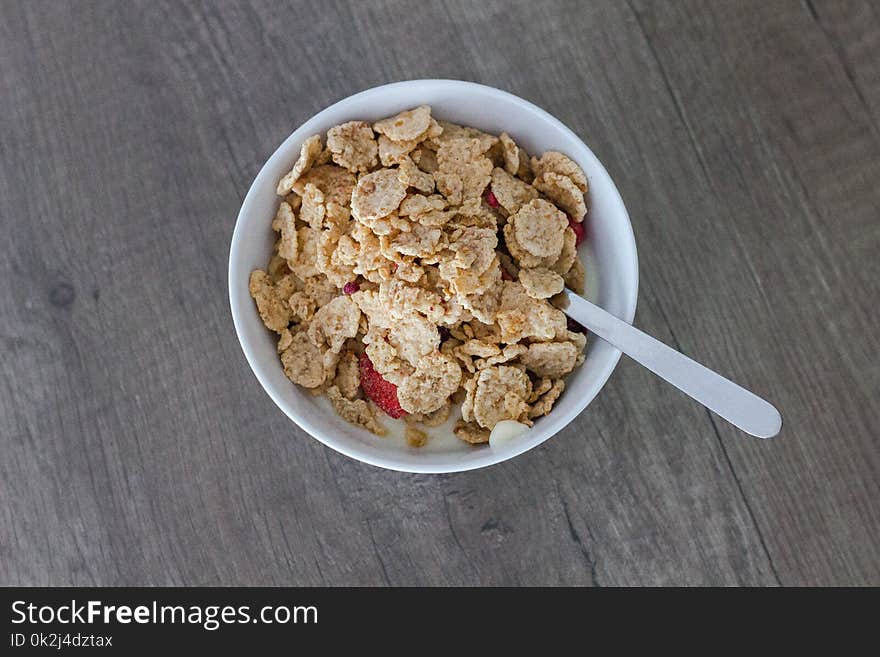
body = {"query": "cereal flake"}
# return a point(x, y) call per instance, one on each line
point(307, 154)
point(563, 192)
point(434, 379)
point(511, 192)
point(471, 433)
point(550, 359)
point(500, 394)
point(353, 146)
point(285, 223)
point(520, 316)
point(303, 362)
point(334, 323)
point(357, 411)
point(410, 124)
point(543, 405)
point(335, 183)
point(411, 176)
point(541, 283)
point(540, 228)
point(377, 195)
point(271, 299)
point(555, 162)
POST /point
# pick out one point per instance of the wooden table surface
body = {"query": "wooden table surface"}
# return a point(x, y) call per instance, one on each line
point(136, 447)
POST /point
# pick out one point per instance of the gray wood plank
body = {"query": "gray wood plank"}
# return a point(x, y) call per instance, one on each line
point(853, 32)
point(787, 162)
point(136, 447)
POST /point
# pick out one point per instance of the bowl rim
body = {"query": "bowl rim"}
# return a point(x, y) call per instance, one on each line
point(491, 457)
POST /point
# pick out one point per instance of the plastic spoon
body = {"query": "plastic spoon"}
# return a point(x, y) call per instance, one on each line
point(722, 396)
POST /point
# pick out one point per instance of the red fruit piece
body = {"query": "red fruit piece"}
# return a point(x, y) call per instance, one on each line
point(378, 390)
point(505, 276)
point(490, 199)
point(580, 231)
point(351, 288)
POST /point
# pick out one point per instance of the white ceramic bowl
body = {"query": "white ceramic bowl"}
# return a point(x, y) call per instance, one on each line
point(612, 269)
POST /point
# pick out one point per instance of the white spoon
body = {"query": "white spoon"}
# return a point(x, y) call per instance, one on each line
point(735, 404)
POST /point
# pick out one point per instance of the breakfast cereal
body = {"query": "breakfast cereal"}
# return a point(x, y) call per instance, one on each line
point(541, 283)
point(353, 146)
point(418, 271)
point(309, 152)
point(553, 162)
point(563, 192)
point(407, 125)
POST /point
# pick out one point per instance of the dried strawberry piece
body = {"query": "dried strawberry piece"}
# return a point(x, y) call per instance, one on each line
point(381, 392)
point(490, 198)
point(351, 287)
point(580, 231)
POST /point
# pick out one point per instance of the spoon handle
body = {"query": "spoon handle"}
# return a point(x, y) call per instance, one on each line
point(735, 404)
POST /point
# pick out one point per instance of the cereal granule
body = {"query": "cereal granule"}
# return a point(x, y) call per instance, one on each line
point(471, 433)
point(434, 255)
point(415, 437)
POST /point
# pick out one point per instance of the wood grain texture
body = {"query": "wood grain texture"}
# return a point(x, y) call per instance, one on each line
point(136, 447)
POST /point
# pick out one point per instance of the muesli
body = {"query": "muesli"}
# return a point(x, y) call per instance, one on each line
point(418, 269)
